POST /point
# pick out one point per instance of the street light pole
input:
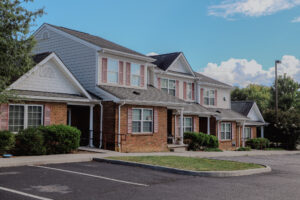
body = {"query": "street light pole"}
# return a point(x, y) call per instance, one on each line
point(276, 89)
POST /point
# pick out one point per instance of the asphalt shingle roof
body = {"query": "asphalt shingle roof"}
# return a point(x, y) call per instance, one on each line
point(37, 58)
point(163, 61)
point(207, 79)
point(151, 94)
point(227, 114)
point(47, 94)
point(195, 108)
point(98, 41)
point(242, 107)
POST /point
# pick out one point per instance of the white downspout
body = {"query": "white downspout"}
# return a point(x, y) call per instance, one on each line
point(181, 126)
point(101, 124)
point(91, 127)
point(208, 125)
point(119, 124)
point(243, 136)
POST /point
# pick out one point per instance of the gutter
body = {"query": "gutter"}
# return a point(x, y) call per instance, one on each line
point(119, 124)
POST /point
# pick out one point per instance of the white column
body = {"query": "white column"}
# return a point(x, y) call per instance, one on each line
point(243, 134)
point(91, 125)
point(181, 126)
point(262, 134)
point(208, 125)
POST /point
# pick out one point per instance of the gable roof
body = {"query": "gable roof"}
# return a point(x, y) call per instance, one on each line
point(242, 107)
point(41, 59)
point(163, 61)
point(98, 41)
point(206, 79)
point(227, 114)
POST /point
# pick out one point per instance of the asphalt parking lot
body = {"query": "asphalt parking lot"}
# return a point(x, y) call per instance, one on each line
point(94, 180)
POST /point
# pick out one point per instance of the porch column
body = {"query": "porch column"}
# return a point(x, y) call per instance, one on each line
point(208, 125)
point(181, 126)
point(243, 134)
point(262, 132)
point(91, 125)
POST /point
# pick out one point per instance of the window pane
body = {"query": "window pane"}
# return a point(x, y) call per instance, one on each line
point(171, 84)
point(188, 122)
point(228, 135)
point(147, 127)
point(136, 114)
point(34, 116)
point(136, 127)
point(112, 77)
point(172, 92)
point(164, 89)
point(135, 80)
point(223, 135)
point(135, 69)
point(147, 115)
point(187, 129)
point(164, 83)
point(222, 127)
point(228, 127)
point(212, 93)
point(113, 65)
point(206, 101)
point(189, 90)
point(212, 101)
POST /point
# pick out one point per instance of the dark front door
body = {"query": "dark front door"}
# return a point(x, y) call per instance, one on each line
point(169, 126)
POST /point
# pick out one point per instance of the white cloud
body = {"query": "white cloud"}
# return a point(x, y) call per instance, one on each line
point(251, 8)
point(296, 20)
point(152, 54)
point(241, 72)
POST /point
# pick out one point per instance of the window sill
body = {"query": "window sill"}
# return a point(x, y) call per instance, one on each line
point(142, 134)
point(229, 140)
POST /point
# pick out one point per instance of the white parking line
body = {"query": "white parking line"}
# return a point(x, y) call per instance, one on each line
point(24, 194)
point(91, 175)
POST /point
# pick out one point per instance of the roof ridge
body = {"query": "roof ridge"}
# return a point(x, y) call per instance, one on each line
point(164, 54)
point(212, 78)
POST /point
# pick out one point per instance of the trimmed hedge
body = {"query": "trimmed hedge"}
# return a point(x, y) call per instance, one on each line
point(7, 141)
point(244, 149)
point(258, 143)
point(60, 138)
point(197, 141)
point(30, 142)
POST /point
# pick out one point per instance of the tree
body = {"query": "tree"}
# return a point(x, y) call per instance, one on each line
point(287, 93)
point(258, 93)
point(15, 42)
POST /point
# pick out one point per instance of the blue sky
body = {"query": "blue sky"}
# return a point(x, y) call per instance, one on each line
point(218, 37)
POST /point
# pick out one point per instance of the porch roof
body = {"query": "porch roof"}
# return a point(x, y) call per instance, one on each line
point(143, 96)
point(195, 109)
point(228, 114)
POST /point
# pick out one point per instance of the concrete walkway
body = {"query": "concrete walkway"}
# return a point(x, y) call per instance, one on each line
point(88, 156)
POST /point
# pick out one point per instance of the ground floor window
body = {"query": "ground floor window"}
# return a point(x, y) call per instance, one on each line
point(142, 120)
point(187, 124)
point(247, 133)
point(24, 116)
point(226, 131)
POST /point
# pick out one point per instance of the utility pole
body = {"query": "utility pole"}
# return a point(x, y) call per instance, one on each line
point(276, 89)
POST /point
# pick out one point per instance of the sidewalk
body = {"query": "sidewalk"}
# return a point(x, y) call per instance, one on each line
point(85, 157)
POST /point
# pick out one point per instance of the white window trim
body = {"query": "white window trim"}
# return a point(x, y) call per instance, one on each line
point(184, 126)
point(26, 113)
point(135, 75)
point(111, 71)
point(249, 128)
point(204, 96)
point(142, 120)
point(225, 131)
point(168, 85)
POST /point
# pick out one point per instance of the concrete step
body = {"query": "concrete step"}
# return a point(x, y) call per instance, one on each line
point(177, 148)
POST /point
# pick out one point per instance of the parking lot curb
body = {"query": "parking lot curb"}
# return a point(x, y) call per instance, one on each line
point(246, 172)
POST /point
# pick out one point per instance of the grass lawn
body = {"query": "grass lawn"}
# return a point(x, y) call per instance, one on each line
point(189, 163)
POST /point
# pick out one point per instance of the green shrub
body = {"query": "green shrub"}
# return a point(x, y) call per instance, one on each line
point(30, 142)
point(7, 141)
point(198, 141)
point(60, 138)
point(258, 143)
point(212, 149)
point(244, 149)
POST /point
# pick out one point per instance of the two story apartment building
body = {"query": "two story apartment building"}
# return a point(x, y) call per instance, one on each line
point(121, 99)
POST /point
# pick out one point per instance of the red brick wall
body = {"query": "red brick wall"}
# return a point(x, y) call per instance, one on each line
point(144, 142)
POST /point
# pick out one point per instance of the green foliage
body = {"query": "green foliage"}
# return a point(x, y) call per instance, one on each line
point(258, 143)
point(197, 141)
point(286, 131)
point(244, 149)
point(60, 138)
point(15, 42)
point(212, 149)
point(7, 141)
point(287, 93)
point(30, 142)
point(258, 93)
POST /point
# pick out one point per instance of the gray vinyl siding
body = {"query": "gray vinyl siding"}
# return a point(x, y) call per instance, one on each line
point(78, 58)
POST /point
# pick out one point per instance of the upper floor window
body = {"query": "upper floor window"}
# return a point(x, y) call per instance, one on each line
point(247, 132)
point(209, 97)
point(135, 74)
point(189, 91)
point(24, 116)
point(112, 71)
point(226, 131)
point(142, 120)
point(168, 86)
